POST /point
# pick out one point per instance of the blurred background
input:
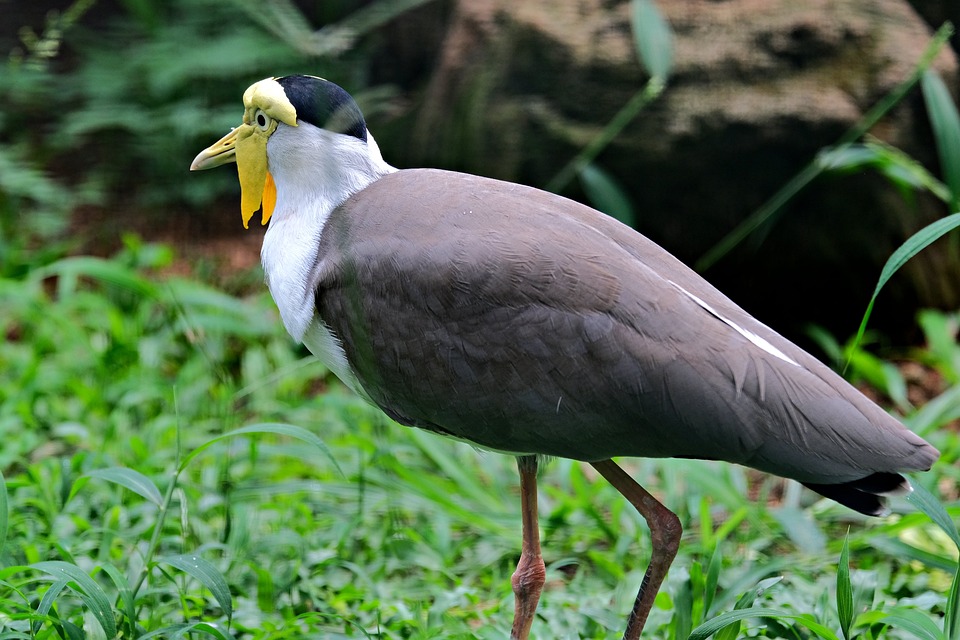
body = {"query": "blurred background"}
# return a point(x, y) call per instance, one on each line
point(105, 103)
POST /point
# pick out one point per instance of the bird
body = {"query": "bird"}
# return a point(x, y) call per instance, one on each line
point(532, 325)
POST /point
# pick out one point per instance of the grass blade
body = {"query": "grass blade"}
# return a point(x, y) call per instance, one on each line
point(207, 574)
point(892, 163)
point(914, 245)
point(106, 271)
point(275, 428)
point(844, 590)
point(130, 479)
point(946, 130)
point(4, 513)
point(913, 621)
point(712, 579)
point(179, 630)
point(46, 602)
point(467, 484)
point(951, 622)
point(653, 38)
point(606, 194)
point(127, 601)
point(202, 627)
point(654, 42)
point(936, 413)
point(929, 505)
point(713, 625)
point(89, 591)
point(650, 92)
point(732, 632)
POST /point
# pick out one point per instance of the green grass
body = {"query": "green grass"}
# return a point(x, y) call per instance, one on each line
point(128, 504)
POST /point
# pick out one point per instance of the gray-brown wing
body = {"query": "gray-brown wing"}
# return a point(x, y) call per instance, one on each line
point(525, 322)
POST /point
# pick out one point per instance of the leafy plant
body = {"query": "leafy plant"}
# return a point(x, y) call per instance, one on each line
point(122, 405)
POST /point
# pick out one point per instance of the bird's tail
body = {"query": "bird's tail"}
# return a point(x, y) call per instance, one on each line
point(866, 495)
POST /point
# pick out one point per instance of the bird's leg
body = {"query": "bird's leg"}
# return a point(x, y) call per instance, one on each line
point(665, 530)
point(530, 575)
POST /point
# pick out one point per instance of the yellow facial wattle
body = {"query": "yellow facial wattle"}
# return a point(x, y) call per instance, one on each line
point(265, 107)
point(269, 201)
point(251, 158)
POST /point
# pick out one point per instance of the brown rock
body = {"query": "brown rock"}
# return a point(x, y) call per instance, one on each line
point(759, 86)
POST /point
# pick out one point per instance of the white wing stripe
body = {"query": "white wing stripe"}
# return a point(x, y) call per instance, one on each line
point(749, 335)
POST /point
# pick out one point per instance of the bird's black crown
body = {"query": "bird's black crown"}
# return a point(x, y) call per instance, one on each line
point(324, 104)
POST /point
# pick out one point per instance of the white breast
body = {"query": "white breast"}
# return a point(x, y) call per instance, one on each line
point(315, 170)
point(328, 349)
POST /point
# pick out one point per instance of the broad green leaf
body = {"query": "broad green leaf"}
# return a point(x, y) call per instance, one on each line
point(845, 590)
point(653, 38)
point(207, 574)
point(130, 479)
point(928, 504)
point(276, 428)
point(89, 591)
point(914, 245)
point(606, 194)
point(946, 130)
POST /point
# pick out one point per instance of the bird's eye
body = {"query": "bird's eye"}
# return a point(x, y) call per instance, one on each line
point(262, 119)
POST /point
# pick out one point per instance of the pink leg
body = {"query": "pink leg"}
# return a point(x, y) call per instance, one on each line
point(665, 531)
point(530, 575)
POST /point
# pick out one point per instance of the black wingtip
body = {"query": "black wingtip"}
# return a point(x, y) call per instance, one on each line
point(866, 495)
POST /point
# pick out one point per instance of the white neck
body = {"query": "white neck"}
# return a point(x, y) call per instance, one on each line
point(315, 170)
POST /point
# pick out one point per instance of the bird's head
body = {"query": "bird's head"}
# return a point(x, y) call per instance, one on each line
point(289, 113)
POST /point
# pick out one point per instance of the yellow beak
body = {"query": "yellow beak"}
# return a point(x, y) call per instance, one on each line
point(247, 146)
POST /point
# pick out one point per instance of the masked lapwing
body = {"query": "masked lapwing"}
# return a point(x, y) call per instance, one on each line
point(526, 323)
